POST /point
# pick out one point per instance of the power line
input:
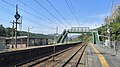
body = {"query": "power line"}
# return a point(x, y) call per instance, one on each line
point(49, 12)
point(8, 3)
point(5, 8)
point(24, 11)
point(37, 12)
point(30, 20)
point(33, 15)
point(69, 8)
point(5, 13)
point(112, 4)
point(115, 5)
point(71, 11)
point(110, 7)
point(3, 20)
point(11, 14)
point(38, 23)
point(58, 12)
point(74, 12)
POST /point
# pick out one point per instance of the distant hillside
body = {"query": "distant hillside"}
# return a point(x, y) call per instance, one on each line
point(74, 36)
point(7, 32)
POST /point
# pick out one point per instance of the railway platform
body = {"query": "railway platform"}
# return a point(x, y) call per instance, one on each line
point(99, 56)
point(73, 55)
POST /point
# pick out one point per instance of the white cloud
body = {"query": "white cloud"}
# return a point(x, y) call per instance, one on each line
point(99, 16)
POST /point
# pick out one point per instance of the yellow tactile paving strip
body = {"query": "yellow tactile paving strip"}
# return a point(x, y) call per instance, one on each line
point(101, 58)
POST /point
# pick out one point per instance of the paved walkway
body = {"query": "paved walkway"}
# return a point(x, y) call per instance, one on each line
point(109, 50)
point(94, 59)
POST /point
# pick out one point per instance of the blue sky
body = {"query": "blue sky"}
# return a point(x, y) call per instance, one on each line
point(89, 13)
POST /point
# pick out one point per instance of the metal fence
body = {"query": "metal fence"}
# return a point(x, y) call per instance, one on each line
point(114, 46)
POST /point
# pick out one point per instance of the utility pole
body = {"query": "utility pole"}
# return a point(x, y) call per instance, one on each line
point(28, 36)
point(55, 35)
point(55, 40)
point(12, 34)
point(103, 33)
point(17, 16)
point(108, 31)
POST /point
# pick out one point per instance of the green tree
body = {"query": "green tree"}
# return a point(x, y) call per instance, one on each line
point(2, 30)
point(115, 29)
point(8, 32)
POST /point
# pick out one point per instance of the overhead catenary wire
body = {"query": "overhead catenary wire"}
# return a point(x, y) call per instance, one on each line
point(38, 13)
point(33, 15)
point(71, 11)
point(41, 25)
point(109, 9)
point(26, 12)
point(74, 12)
point(49, 12)
point(27, 20)
point(5, 8)
point(3, 20)
point(116, 3)
point(22, 9)
point(58, 12)
point(32, 21)
point(4, 12)
point(112, 5)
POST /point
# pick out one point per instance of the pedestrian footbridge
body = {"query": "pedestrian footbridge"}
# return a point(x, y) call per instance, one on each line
point(79, 30)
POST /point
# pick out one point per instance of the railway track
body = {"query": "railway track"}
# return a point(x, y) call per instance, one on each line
point(74, 60)
point(58, 59)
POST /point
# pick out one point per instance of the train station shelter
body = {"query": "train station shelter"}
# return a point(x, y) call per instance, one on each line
point(23, 40)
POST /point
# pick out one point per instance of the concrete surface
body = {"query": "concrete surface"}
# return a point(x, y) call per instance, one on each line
point(110, 56)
